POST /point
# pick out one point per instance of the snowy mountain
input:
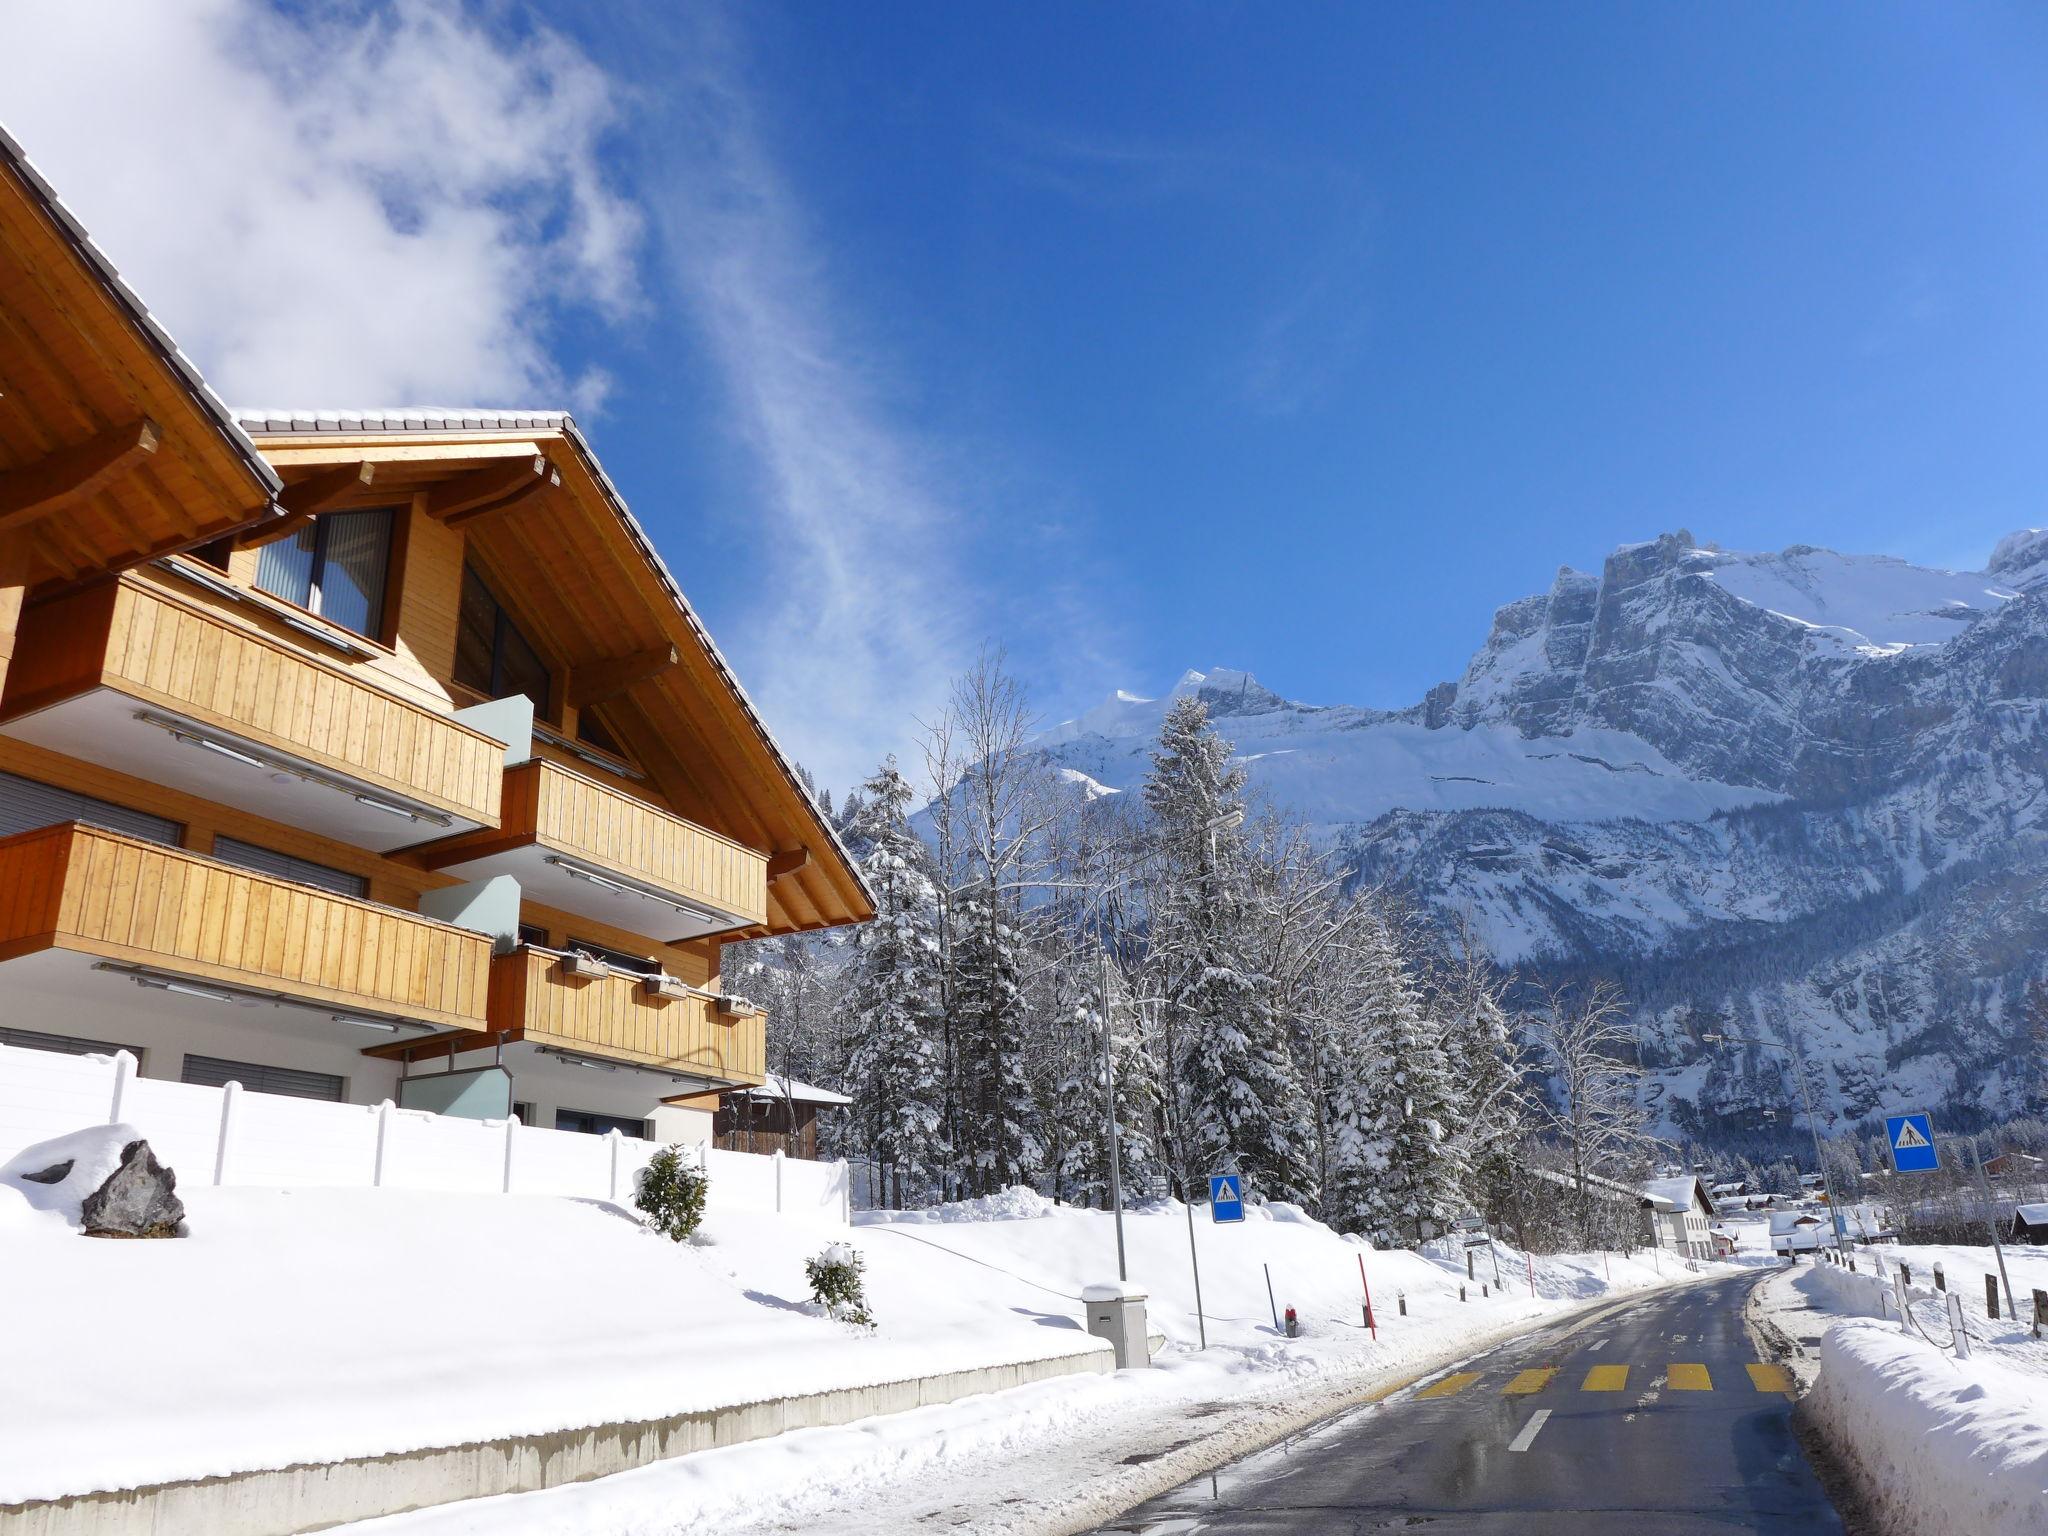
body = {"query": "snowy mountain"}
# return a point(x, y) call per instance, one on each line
point(1801, 794)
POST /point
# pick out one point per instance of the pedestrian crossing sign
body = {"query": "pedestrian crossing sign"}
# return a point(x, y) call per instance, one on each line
point(1226, 1197)
point(1912, 1143)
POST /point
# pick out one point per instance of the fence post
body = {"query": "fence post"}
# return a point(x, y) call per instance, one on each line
point(383, 1141)
point(2040, 1312)
point(1899, 1288)
point(1940, 1277)
point(230, 1091)
point(778, 1181)
point(617, 1142)
point(124, 1073)
point(846, 1196)
point(511, 1125)
point(1956, 1326)
point(1991, 1296)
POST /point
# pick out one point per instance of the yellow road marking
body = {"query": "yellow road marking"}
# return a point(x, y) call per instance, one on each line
point(1690, 1378)
point(1606, 1378)
point(1450, 1384)
point(1772, 1378)
point(1530, 1381)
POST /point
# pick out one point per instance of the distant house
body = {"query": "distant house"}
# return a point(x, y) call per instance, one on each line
point(2030, 1224)
point(1724, 1243)
point(2018, 1164)
point(1811, 1181)
point(1730, 1190)
point(779, 1116)
point(1680, 1213)
point(1795, 1232)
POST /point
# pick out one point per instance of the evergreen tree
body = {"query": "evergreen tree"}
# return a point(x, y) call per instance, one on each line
point(1241, 1103)
point(1007, 1145)
point(894, 1067)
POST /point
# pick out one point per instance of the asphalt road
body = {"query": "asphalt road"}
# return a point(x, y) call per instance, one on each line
point(1652, 1417)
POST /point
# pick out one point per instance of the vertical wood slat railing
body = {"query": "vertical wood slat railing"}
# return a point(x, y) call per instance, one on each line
point(82, 888)
point(616, 1016)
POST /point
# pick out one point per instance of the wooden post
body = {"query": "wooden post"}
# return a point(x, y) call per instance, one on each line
point(1906, 1270)
point(1468, 1265)
point(1991, 1295)
point(230, 1091)
point(124, 1074)
point(1461, 1293)
point(383, 1142)
point(1401, 1301)
point(1940, 1278)
point(511, 1125)
point(2040, 1312)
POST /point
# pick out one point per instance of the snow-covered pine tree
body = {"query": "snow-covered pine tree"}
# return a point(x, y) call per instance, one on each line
point(1240, 1099)
point(1397, 1169)
point(892, 1003)
point(990, 1021)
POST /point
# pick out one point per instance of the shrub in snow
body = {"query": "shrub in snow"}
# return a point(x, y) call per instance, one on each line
point(835, 1276)
point(671, 1193)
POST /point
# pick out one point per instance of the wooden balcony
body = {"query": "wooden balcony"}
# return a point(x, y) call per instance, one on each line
point(580, 846)
point(615, 1017)
point(130, 677)
point(81, 900)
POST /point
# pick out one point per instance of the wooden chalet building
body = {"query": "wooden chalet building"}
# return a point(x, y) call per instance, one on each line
point(360, 755)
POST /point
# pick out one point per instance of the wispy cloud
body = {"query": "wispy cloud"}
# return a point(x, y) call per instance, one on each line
point(871, 521)
point(347, 203)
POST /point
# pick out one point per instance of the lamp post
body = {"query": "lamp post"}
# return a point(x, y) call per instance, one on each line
point(1827, 1184)
point(1116, 1177)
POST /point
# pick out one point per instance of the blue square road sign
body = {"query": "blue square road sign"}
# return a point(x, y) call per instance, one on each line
point(1226, 1197)
point(1912, 1143)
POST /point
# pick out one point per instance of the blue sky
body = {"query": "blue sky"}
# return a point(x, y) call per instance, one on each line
point(1140, 337)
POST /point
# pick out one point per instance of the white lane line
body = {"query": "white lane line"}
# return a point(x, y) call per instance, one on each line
point(1522, 1441)
point(1597, 1344)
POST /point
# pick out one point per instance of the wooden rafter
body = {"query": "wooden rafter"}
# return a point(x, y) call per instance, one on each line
point(526, 493)
point(596, 681)
point(787, 862)
point(71, 474)
point(303, 500)
point(482, 487)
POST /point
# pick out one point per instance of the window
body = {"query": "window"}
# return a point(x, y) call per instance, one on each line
point(213, 1071)
point(64, 1045)
point(596, 1125)
point(534, 935)
point(333, 566)
point(491, 655)
point(215, 554)
point(268, 861)
point(26, 804)
point(592, 731)
point(617, 959)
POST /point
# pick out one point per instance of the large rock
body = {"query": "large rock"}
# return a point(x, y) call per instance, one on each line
point(138, 1199)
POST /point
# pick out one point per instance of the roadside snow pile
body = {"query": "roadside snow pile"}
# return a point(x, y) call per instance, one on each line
point(93, 1154)
point(1936, 1444)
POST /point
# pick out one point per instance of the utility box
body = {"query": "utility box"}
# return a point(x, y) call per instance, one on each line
point(1116, 1312)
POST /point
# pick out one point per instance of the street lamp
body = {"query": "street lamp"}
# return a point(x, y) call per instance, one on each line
point(1827, 1184)
point(1116, 1178)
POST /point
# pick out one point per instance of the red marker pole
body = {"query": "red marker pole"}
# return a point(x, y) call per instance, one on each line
point(1370, 1322)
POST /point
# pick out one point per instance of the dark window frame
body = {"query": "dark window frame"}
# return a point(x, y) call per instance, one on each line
point(322, 528)
point(597, 1123)
point(498, 684)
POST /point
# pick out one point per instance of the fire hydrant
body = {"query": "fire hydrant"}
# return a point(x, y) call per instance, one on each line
point(1293, 1324)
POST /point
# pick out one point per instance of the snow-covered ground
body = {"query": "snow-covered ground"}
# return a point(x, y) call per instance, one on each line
point(1934, 1443)
point(1064, 1453)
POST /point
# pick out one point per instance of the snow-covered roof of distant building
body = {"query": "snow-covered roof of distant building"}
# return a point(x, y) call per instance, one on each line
point(789, 1088)
point(396, 418)
point(1674, 1194)
point(1789, 1221)
point(2032, 1215)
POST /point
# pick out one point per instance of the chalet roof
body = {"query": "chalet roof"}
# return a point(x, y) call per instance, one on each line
point(2032, 1215)
point(96, 380)
point(1680, 1194)
point(454, 424)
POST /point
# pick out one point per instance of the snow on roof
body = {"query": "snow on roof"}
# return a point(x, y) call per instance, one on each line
point(396, 418)
point(1790, 1221)
point(789, 1088)
point(2033, 1215)
point(1673, 1194)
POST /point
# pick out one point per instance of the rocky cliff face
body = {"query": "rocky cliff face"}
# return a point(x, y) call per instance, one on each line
point(1803, 791)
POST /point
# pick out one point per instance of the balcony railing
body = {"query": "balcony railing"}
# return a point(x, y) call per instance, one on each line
point(177, 921)
point(127, 676)
point(582, 847)
point(619, 1017)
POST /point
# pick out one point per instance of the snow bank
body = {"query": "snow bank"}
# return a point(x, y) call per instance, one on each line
point(93, 1153)
point(1937, 1444)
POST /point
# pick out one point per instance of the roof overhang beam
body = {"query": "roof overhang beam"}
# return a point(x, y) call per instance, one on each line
point(71, 474)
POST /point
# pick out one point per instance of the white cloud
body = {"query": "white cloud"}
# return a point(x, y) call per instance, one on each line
point(356, 205)
point(867, 607)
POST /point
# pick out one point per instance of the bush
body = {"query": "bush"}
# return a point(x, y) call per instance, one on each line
point(671, 1193)
point(835, 1277)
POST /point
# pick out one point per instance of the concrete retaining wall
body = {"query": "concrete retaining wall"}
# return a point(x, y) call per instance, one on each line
point(308, 1498)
